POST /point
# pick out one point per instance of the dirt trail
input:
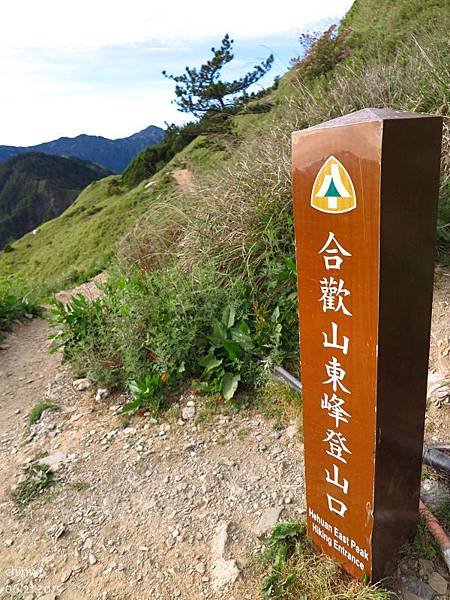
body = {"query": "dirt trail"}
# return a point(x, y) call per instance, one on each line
point(146, 510)
point(183, 178)
point(26, 367)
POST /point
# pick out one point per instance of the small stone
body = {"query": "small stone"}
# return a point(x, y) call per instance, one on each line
point(129, 431)
point(188, 412)
point(291, 431)
point(413, 589)
point(268, 520)
point(426, 566)
point(101, 394)
point(92, 559)
point(59, 532)
point(190, 403)
point(54, 461)
point(200, 568)
point(9, 542)
point(66, 576)
point(438, 583)
point(88, 544)
point(81, 384)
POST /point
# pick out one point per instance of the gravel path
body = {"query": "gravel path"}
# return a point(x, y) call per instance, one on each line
point(146, 509)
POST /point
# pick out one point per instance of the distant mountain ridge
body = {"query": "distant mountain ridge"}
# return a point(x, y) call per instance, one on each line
point(115, 155)
point(35, 187)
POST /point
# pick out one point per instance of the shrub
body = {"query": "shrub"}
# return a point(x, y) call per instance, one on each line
point(17, 299)
point(295, 571)
point(322, 52)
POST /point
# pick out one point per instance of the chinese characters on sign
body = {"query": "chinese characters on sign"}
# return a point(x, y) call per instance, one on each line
point(332, 300)
point(365, 188)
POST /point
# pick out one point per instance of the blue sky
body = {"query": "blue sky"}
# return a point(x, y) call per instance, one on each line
point(95, 66)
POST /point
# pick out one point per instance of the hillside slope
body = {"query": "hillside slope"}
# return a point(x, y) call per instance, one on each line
point(35, 188)
point(112, 154)
point(396, 59)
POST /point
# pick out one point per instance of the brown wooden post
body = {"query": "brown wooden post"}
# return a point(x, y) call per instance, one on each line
point(365, 188)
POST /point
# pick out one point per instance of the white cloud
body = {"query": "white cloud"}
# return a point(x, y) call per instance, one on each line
point(95, 23)
point(94, 66)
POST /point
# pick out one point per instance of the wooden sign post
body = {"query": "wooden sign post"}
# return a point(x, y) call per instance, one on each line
point(365, 188)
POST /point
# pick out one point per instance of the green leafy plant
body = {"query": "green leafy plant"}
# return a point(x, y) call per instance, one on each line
point(38, 478)
point(147, 394)
point(294, 570)
point(17, 299)
point(76, 322)
point(230, 341)
point(36, 412)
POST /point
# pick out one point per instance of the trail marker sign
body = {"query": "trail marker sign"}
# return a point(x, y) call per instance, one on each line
point(365, 192)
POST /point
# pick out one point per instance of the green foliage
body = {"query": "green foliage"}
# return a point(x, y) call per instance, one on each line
point(232, 344)
point(294, 571)
point(322, 52)
point(147, 394)
point(17, 298)
point(154, 158)
point(77, 322)
point(200, 91)
point(36, 412)
point(38, 478)
point(35, 187)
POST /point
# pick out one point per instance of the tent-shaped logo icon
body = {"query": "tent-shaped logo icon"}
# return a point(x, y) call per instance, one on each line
point(333, 190)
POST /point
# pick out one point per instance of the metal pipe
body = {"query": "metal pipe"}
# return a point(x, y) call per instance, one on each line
point(292, 381)
point(434, 458)
point(437, 532)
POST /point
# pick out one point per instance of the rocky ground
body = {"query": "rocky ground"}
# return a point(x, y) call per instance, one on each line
point(146, 509)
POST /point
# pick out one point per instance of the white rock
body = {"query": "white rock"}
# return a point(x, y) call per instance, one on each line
point(223, 571)
point(54, 461)
point(82, 384)
point(188, 412)
point(101, 394)
point(291, 431)
point(268, 520)
point(438, 583)
point(92, 559)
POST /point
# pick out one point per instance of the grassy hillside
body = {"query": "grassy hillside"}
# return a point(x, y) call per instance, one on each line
point(396, 56)
point(35, 188)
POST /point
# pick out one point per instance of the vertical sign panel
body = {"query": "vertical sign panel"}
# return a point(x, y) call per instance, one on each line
point(339, 198)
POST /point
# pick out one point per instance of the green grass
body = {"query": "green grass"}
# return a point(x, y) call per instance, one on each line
point(38, 479)
point(80, 243)
point(36, 412)
point(17, 299)
point(292, 570)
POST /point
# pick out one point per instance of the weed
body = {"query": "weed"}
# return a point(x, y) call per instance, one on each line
point(80, 486)
point(36, 412)
point(423, 545)
point(147, 394)
point(242, 433)
point(294, 571)
point(280, 402)
point(17, 299)
point(38, 478)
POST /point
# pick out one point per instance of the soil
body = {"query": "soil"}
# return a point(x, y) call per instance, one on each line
point(143, 508)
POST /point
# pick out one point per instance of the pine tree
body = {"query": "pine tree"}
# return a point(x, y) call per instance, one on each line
point(201, 92)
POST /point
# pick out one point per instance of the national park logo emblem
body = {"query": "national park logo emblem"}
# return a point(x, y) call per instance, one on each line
point(333, 190)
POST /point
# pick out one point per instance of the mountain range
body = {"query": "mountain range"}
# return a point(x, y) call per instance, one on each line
point(115, 155)
point(35, 187)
